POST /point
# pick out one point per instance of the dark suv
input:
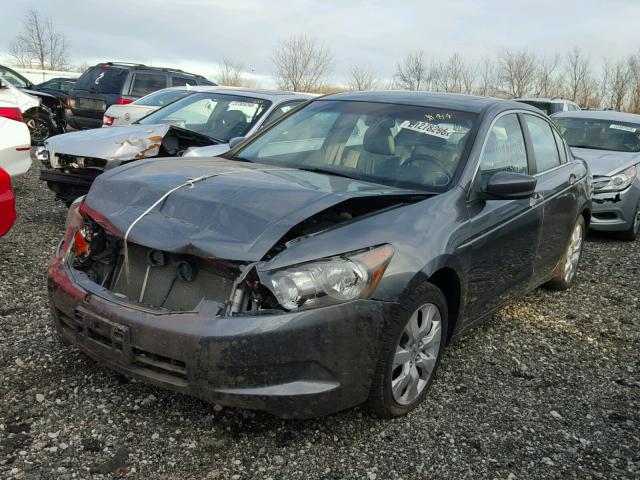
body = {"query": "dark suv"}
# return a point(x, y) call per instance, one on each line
point(112, 83)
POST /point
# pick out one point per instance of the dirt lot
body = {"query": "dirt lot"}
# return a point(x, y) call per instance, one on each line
point(549, 388)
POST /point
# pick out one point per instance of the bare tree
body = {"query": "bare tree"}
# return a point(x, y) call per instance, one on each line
point(634, 83)
point(301, 64)
point(547, 83)
point(233, 74)
point(362, 78)
point(40, 44)
point(486, 83)
point(454, 75)
point(618, 85)
point(577, 73)
point(516, 72)
point(412, 72)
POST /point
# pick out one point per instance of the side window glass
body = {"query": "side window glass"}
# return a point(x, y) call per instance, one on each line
point(281, 110)
point(183, 81)
point(504, 150)
point(144, 83)
point(543, 142)
point(561, 147)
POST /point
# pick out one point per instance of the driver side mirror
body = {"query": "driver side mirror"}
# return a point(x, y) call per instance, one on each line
point(235, 141)
point(510, 186)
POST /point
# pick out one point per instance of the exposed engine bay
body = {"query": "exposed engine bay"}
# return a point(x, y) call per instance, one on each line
point(178, 282)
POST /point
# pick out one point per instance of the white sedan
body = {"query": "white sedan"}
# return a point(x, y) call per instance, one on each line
point(15, 142)
point(117, 115)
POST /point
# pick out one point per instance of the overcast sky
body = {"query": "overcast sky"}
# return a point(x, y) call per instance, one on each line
point(196, 34)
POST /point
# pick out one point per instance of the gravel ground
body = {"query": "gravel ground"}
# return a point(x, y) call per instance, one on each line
point(549, 388)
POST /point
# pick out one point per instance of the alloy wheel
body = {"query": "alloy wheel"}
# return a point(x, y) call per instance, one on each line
point(416, 354)
point(38, 129)
point(573, 253)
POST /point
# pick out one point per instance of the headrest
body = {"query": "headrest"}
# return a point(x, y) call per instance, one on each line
point(234, 116)
point(379, 139)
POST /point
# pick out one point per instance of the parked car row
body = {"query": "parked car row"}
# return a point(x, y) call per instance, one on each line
point(300, 254)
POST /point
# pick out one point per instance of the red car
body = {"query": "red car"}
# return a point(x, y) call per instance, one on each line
point(7, 203)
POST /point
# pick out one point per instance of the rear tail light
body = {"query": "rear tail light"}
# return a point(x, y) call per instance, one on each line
point(107, 121)
point(12, 113)
point(123, 101)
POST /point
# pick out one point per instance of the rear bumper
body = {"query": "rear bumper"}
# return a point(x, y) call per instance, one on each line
point(82, 123)
point(614, 211)
point(293, 365)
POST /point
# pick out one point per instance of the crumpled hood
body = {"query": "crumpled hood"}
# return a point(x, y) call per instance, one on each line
point(606, 162)
point(115, 143)
point(238, 213)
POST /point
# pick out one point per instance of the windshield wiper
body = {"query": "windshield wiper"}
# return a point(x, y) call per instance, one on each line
point(325, 171)
point(240, 159)
point(216, 140)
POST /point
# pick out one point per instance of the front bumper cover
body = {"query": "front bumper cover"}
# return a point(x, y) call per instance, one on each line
point(293, 365)
point(614, 211)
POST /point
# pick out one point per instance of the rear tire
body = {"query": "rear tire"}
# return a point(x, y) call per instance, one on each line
point(632, 233)
point(423, 313)
point(567, 268)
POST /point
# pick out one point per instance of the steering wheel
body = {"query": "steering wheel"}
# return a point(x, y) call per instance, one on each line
point(423, 157)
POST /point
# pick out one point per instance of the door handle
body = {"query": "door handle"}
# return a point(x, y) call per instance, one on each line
point(572, 179)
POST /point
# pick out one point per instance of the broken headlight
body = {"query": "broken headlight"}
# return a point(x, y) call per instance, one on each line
point(328, 281)
point(619, 181)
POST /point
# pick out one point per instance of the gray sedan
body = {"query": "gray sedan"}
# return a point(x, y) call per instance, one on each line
point(326, 261)
point(610, 144)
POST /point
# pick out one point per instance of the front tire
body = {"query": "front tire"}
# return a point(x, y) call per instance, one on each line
point(632, 233)
point(567, 268)
point(40, 127)
point(412, 348)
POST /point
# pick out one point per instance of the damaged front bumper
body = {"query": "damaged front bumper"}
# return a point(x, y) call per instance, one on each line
point(69, 185)
point(615, 211)
point(293, 365)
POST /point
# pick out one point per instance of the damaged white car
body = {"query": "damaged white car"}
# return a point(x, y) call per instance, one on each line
point(202, 124)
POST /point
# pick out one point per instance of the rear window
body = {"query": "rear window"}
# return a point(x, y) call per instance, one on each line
point(546, 107)
point(144, 83)
point(102, 80)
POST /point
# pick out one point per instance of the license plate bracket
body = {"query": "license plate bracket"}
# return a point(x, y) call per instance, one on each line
point(113, 339)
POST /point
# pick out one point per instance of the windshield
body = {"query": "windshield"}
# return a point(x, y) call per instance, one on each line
point(400, 145)
point(219, 116)
point(162, 97)
point(13, 78)
point(600, 134)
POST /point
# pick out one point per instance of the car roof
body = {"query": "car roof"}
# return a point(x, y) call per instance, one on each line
point(542, 99)
point(141, 66)
point(272, 95)
point(607, 115)
point(453, 101)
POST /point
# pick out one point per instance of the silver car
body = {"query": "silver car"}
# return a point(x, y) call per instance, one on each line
point(204, 123)
point(610, 144)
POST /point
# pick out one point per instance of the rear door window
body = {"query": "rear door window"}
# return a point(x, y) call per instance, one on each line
point(102, 80)
point(504, 149)
point(182, 81)
point(543, 143)
point(144, 83)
